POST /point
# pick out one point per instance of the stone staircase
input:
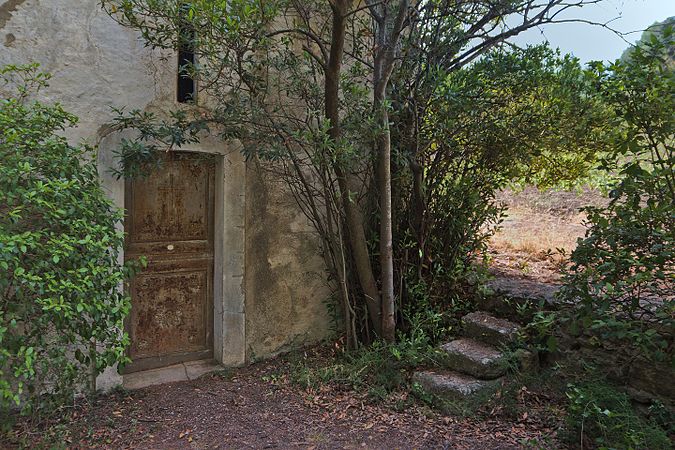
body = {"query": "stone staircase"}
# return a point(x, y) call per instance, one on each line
point(474, 362)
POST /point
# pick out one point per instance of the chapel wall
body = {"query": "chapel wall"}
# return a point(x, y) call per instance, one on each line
point(286, 281)
point(273, 289)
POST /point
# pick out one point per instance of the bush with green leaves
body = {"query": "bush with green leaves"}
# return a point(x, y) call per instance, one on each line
point(525, 115)
point(61, 306)
point(622, 275)
point(599, 413)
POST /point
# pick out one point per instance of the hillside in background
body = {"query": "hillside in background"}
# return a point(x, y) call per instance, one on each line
point(654, 29)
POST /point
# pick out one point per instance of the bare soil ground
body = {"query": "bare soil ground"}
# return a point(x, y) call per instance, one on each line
point(537, 226)
point(258, 407)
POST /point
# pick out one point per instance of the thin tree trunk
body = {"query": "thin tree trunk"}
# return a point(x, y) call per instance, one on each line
point(92, 370)
point(389, 26)
point(381, 79)
point(417, 209)
point(386, 245)
point(353, 214)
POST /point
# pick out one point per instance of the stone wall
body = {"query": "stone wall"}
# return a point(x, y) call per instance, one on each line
point(642, 379)
point(285, 293)
point(273, 286)
point(96, 63)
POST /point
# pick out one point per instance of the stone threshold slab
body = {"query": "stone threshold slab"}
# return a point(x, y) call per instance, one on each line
point(186, 371)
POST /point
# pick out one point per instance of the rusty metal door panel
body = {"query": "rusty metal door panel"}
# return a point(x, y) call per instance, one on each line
point(169, 220)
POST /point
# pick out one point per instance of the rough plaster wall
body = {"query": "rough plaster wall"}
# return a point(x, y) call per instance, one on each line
point(285, 282)
point(95, 62)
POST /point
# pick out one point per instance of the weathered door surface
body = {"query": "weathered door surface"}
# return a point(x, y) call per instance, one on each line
point(169, 220)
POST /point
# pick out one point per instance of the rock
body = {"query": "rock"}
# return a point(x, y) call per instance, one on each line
point(642, 397)
point(520, 288)
point(527, 361)
point(518, 298)
point(654, 381)
point(643, 380)
point(474, 358)
point(489, 329)
point(450, 385)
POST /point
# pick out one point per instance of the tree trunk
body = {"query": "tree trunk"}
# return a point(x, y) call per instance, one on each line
point(353, 214)
point(390, 19)
point(386, 246)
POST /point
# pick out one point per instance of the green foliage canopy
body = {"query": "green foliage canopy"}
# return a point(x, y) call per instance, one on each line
point(515, 115)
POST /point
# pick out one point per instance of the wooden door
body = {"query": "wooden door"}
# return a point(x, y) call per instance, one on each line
point(169, 220)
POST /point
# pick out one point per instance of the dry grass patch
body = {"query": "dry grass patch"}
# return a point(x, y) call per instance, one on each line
point(537, 234)
point(537, 225)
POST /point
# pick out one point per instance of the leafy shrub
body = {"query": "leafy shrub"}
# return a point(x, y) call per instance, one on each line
point(540, 331)
point(514, 115)
point(61, 309)
point(379, 368)
point(427, 315)
point(598, 412)
point(623, 271)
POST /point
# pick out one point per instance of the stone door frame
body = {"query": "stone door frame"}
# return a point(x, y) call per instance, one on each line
point(229, 327)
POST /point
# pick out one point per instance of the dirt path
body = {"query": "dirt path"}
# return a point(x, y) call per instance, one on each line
point(256, 409)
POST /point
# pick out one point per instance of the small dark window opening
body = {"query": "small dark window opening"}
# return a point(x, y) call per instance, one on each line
point(186, 60)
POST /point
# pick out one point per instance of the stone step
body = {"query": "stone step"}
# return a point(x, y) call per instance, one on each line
point(474, 358)
point(484, 327)
point(518, 299)
point(451, 385)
